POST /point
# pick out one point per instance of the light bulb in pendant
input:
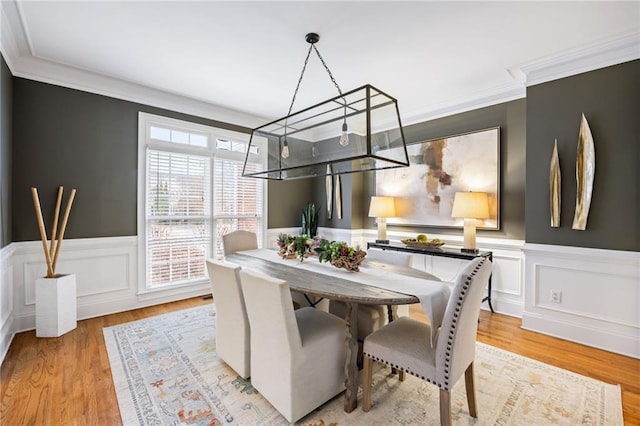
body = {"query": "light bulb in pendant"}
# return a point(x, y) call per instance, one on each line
point(285, 150)
point(344, 138)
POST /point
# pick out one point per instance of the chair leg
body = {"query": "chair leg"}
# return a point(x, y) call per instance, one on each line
point(471, 390)
point(445, 407)
point(367, 373)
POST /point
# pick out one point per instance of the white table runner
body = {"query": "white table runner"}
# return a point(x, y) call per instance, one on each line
point(433, 295)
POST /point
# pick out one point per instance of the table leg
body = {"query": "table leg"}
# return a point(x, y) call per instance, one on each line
point(488, 296)
point(351, 363)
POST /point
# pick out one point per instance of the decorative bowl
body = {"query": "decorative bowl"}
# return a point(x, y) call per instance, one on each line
point(410, 242)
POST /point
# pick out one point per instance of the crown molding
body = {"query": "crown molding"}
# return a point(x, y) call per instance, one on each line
point(13, 42)
point(44, 71)
point(476, 100)
point(617, 50)
point(17, 53)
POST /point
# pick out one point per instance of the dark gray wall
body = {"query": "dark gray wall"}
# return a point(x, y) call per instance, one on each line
point(78, 140)
point(610, 100)
point(509, 116)
point(6, 115)
point(286, 201)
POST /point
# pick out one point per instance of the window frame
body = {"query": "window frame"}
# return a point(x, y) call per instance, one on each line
point(145, 143)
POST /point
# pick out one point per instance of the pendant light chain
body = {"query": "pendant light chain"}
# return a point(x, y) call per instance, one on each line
point(313, 38)
point(326, 67)
point(304, 67)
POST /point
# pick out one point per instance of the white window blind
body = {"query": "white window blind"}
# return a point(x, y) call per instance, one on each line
point(237, 201)
point(178, 217)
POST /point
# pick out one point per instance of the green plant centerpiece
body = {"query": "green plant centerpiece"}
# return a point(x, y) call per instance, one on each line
point(299, 246)
point(340, 254)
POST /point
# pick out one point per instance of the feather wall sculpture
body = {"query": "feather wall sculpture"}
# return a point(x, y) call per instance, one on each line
point(338, 197)
point(585, 172)
point(329, 190)
point(554, 187)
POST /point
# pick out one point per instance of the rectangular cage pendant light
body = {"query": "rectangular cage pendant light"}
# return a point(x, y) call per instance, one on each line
point(356, 131)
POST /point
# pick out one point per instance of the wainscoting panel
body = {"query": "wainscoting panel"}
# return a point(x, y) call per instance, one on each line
point(589, 296)
point(106, 276)
point(98, 274)
point(6, 300)
point(507, 281)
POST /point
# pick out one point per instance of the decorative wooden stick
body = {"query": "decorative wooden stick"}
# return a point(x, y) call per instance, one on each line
point(55, 221)
point(63, 227)
point(43, 233)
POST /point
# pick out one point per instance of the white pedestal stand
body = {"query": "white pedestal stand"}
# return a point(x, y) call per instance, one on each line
point(56, 312)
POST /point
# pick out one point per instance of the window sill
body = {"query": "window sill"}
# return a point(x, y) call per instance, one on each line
point(184, 291)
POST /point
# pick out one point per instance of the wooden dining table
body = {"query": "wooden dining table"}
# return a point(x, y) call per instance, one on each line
point(368, 286)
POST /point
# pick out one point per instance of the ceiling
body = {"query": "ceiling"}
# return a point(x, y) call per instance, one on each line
point(434, 57)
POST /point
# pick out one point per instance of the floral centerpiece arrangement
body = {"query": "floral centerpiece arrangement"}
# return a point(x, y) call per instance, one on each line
point(300, 246)
point(340, 255)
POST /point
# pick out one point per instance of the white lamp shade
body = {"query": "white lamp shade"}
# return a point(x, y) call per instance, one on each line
point(472, 205)
point(382, 207)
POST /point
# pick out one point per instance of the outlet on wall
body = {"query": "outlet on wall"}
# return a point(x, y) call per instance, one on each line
point(556, 296)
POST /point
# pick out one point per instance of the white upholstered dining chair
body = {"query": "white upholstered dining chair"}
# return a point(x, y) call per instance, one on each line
point(405, 344)
point(238, 241)
point(372, 317)
point(233, 343)
point(301, 359)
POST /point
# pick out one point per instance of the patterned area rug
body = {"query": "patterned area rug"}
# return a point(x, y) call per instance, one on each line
point(166, 372)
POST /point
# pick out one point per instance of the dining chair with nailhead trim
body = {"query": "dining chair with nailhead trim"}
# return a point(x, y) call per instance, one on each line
point(405, 344)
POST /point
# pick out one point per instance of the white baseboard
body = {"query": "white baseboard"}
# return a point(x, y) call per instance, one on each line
point(599, 296)
point(586, 334)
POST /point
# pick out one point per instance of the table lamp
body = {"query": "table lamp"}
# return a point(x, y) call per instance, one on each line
point(471, 206)
point(381, 208)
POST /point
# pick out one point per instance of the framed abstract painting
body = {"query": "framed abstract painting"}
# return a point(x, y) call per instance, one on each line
point(439, 168)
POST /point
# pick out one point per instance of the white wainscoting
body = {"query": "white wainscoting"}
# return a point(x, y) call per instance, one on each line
point(106, 271)
point(599, 305)
point(6, 299)
point(600, 296)
point(507, 296)
point(507, 281)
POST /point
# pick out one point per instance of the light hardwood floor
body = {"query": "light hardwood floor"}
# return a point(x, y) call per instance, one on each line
point(67, 380)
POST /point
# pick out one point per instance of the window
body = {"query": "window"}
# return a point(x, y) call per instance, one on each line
point(178, 217)
point(191, 193)
point(238, 202)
